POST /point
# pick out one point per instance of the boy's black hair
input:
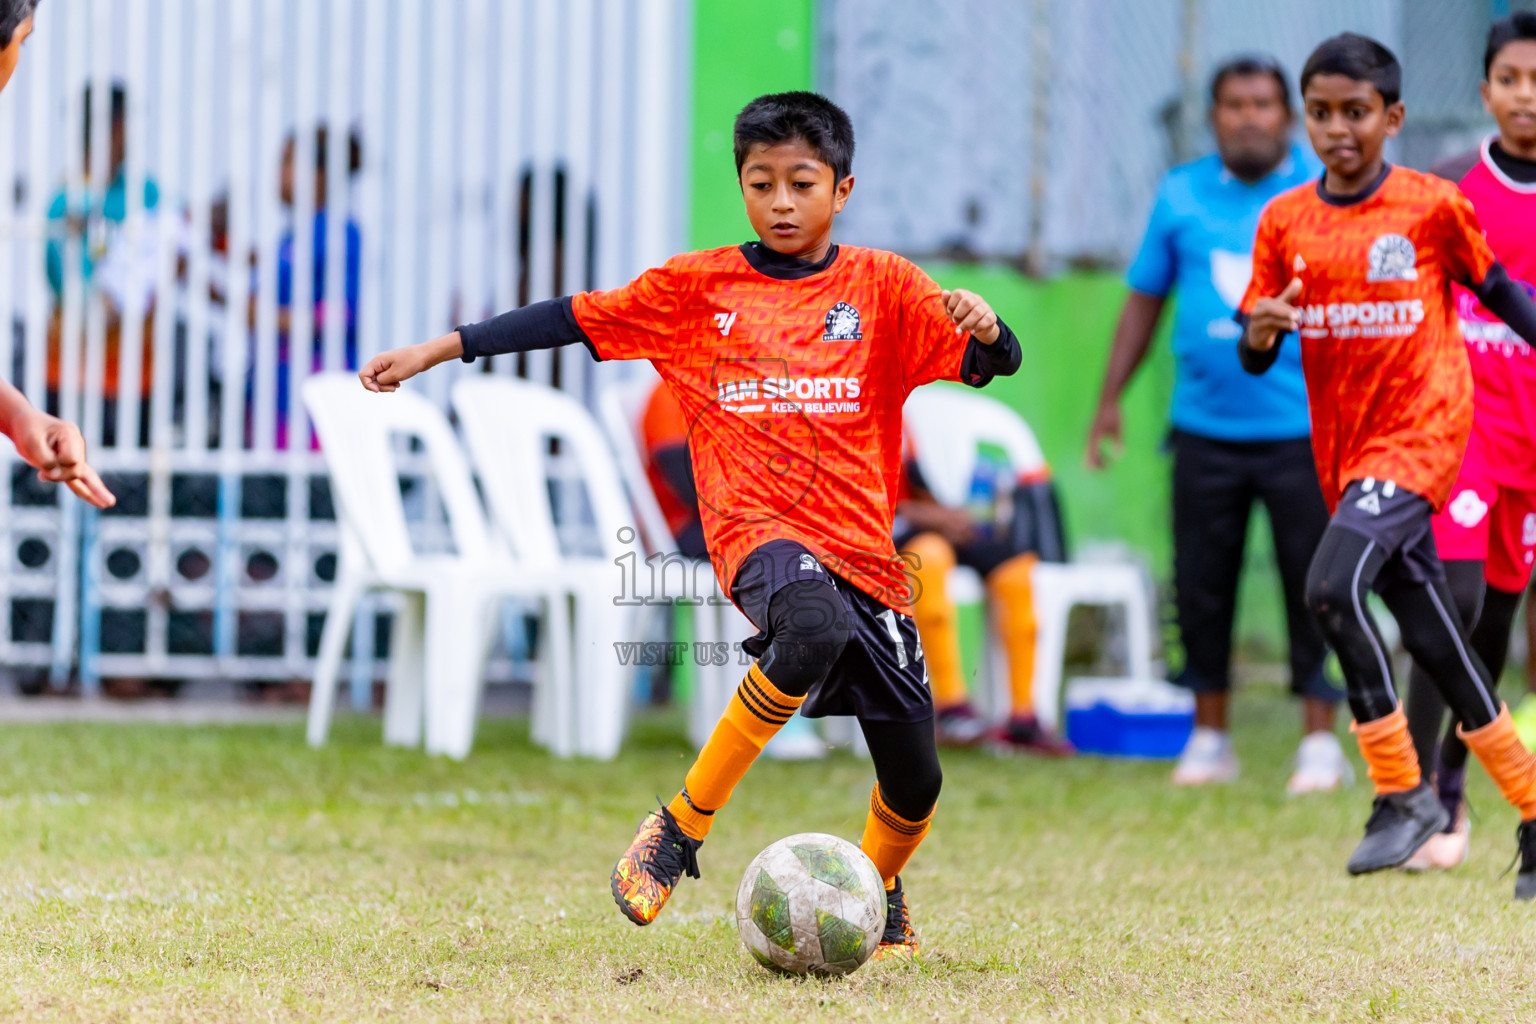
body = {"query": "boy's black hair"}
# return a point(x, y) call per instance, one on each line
point(12, 14)
point(1520, 25)
point(1358, 57)
point(1245, 65)
point(787, 116)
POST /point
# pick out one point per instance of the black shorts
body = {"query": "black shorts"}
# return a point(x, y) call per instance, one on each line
point(1396, 521)
point(881, 674)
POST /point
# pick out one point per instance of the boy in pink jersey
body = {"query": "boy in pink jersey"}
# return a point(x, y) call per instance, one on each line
point(1486, 534)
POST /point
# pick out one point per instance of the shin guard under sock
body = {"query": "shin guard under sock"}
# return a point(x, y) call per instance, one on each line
point(1388, 751)
point(889, 839)
point(756, 712)
point(1509, 764)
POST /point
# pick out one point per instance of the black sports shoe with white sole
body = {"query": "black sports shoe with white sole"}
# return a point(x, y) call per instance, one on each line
point(1399, 824)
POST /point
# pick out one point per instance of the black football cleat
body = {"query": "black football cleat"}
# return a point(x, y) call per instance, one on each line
point(1399, 824)
point(899, 939)
point(1525, 881)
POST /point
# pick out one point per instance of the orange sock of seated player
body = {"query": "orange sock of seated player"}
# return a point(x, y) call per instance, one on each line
point(1509, 764)
point(754, 715)
point(1013, 617)
point(1387, 747)
point(938, 622)
point(889, 839)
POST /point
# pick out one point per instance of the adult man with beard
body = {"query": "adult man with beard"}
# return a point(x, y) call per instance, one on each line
point(1234, 437)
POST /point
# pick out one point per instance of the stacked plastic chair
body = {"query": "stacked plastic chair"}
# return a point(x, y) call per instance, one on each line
point(448, 616)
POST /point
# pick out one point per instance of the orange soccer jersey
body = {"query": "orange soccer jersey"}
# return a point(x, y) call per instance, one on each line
point(793, 391)
point(1388, 382)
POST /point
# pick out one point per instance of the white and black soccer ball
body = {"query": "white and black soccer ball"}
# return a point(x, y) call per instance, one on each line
point(811, 904)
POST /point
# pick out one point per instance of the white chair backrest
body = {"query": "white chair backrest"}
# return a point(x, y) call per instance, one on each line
point(950, 424)
point(507, 423)
point(356, 429)
point(621, 407)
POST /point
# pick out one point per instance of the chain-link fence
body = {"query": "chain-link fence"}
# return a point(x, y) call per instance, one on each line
point(1037, 130)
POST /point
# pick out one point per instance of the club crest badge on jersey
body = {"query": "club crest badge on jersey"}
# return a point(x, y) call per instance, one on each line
point(1392, 258)
point(842, 324)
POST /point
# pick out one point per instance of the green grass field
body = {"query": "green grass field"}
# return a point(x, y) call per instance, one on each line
point(169, 873)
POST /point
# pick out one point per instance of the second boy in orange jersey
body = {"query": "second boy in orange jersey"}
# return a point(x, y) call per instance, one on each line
point(791, 358)
point(1361, 264)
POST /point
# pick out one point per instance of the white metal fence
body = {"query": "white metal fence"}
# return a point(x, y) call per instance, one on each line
point(477, 155)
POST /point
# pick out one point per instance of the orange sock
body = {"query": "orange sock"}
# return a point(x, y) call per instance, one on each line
point(1013, 617)
point(1390, 760)
point(1509, 764)
point(889, 839)
point(751, 718)
point(938, 623)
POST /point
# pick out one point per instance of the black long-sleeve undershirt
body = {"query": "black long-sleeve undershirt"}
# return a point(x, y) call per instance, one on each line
point(548, 324)
point(1501, 296)
point(552, 323)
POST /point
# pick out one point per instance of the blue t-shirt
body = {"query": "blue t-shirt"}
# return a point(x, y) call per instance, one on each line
point(1200, 243)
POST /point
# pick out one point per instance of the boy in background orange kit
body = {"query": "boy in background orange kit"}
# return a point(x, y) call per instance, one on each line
point(1361, 265)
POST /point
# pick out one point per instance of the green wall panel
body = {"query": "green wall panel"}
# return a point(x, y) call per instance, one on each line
point(741, 50)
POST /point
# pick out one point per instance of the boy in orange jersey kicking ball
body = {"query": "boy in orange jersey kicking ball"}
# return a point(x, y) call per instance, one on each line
point(791, 357)
point(1361, 264)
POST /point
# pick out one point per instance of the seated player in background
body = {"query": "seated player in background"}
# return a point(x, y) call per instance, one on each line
point(1008, 525)
point(792, 358)
point(1361, 265)
point(669, 468)
point(1487, 529)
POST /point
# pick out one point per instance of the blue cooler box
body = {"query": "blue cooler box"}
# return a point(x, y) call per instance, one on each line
point(1146, 718)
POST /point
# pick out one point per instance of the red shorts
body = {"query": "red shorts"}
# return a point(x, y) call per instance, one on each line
point(1485, 522)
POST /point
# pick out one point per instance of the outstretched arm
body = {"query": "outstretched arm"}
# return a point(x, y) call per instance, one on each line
point(51, 446)
point(1508, 301)
point(547, 324)
point(1133, 339)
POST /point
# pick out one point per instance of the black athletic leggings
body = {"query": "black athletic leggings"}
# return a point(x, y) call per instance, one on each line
point(1344, 570)
point(808, 621)
point(1488, 615)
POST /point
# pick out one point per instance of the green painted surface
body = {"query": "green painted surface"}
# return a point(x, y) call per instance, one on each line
point(741, 50)
point(1064, 327)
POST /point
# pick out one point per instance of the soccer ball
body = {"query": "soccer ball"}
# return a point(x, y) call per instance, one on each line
point(811, 904)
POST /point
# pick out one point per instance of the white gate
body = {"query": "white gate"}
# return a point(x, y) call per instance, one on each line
point(481, 154)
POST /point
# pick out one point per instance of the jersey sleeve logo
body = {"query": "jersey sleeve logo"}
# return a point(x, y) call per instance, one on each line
point(842, 324)
point(1392, 258)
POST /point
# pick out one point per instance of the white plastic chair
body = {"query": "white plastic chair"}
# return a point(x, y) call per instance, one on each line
point(443, 632)
point(949, 425)
point(715, 618)
point(507, 425)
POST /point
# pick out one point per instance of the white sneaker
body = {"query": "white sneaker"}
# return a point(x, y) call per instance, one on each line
point(1444, 851)
point(1320, 765)
point(796, 741)
point(1207, 759)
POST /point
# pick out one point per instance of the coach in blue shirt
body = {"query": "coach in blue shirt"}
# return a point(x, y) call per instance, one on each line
point(1235, 437)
